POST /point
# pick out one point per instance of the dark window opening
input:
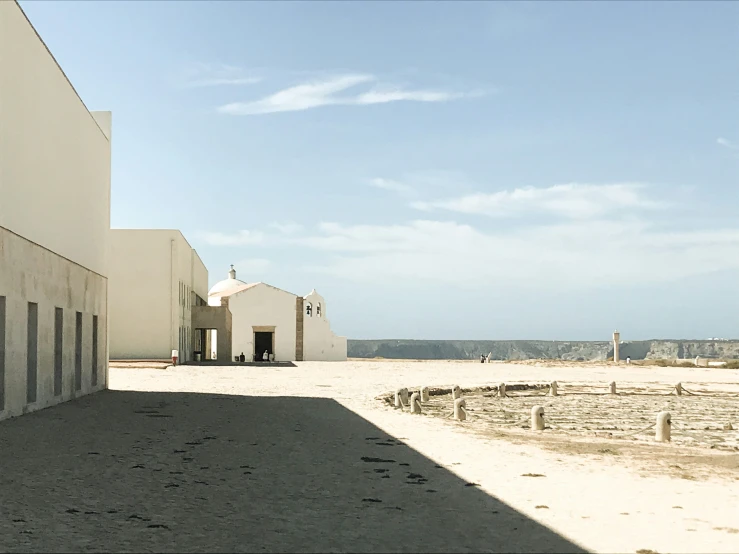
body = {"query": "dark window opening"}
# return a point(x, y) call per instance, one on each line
point(78, 352)
point(32, 353)
point(2, 353)
point(94, 351)
point(58, 350)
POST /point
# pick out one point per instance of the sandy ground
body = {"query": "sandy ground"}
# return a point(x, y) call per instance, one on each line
point(308, 459)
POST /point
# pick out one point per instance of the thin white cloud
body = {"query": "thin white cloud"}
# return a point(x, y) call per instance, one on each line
point(727, 143)
point(315, 94)
point(240, 238)
point(579, 254)
point(213, 75)
point(390, 185)
point(573, 200)
point(288, 228)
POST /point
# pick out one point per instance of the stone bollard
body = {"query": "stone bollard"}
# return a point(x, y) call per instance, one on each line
point(456, 392)
point(553, 388)
point(459, 413)
point(537, 418)
point(679, 389)
point(501, 390)
point(415, 403)
point(401, 398)
point(424, 394)
point(664, 424)
point(613, 387)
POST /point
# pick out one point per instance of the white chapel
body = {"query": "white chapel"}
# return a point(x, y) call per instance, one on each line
point(261, 318)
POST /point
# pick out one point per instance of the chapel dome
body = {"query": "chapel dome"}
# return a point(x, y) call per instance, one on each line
point(226, 284)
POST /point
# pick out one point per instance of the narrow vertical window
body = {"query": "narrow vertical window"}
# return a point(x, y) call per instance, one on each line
point(58, 350)
point(32, 353)
point(78, 352)
point(2, 353)
point(94, 351)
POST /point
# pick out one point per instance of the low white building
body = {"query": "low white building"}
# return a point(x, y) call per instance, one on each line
point(54, 228)
point(156, 278)
point(265, 318)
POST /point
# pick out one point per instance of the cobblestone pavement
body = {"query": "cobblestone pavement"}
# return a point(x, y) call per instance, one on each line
point(129, 471)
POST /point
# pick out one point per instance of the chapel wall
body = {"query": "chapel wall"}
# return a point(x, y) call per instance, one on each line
point(264, 306)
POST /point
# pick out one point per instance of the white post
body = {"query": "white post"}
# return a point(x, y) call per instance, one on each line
point(616, 344)
point(459, 413)
point(501, 390)
point(415, 404)
point(664, 423)
point(456, 392)
point(553, 388)
point(401, 398)
point(679, 389)
point(613, 387)
point(537, 418)
point(424, 394)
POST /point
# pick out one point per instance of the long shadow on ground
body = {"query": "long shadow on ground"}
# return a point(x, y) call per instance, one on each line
point(137, 471)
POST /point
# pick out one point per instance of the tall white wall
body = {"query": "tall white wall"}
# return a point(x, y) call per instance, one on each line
point(264, 305)
point(319, 341)
point(54, 157)
point(153, 275)
point(54, 225)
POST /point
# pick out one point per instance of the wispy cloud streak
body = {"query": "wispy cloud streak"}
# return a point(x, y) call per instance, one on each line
point(727, 143)
point(573, 200)
point(214, 75)
point(315, 94)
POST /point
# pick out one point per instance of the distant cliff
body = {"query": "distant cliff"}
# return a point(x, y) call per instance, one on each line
point(539, 349)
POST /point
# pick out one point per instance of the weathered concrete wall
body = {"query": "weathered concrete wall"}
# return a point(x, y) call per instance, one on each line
point(220, 319)
point(319, 341)
point(54, 156)
point(154, 275)
point(31, 273)
point(264, 306)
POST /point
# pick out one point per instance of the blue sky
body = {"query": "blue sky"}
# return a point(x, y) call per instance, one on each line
point(482, 170)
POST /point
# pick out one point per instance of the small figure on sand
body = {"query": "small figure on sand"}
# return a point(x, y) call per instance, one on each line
point(242, 358)
point(628, 359)
point(265, 356)
point(482, 358)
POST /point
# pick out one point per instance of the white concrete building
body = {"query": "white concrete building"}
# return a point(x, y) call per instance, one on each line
point(54, 228)
point(263, 317)
point(156, 278)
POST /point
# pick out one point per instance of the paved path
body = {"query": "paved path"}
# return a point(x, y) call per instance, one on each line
point(305, 460)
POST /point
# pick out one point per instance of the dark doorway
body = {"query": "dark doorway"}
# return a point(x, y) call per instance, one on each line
point(262, 342)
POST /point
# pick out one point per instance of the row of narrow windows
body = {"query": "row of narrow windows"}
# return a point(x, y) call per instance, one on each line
point(309, 309)
point(185, 300)
point(32, 350)
point(186, 297)
point(184, 344)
